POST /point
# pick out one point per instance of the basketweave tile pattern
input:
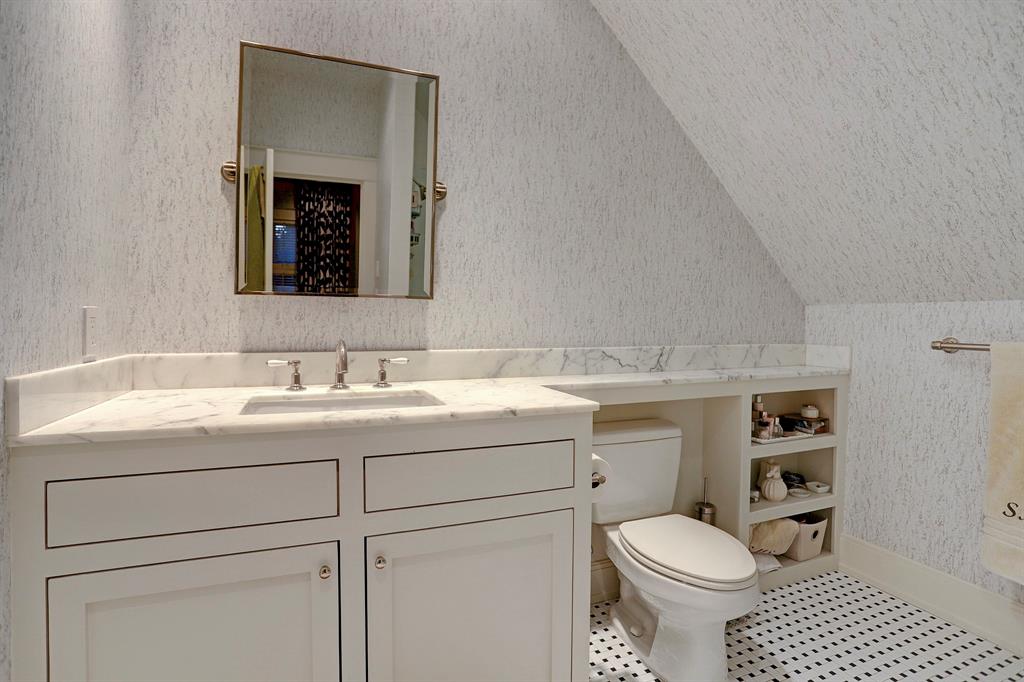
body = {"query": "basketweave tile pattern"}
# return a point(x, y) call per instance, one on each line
point(830, 627)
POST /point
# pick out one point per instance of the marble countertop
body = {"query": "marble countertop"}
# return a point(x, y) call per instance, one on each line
point(175, 413)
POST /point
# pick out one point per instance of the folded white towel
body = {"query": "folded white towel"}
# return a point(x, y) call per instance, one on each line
point(766, 563)
point(1002, 540)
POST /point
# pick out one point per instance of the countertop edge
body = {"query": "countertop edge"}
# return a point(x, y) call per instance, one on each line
point(564, 385)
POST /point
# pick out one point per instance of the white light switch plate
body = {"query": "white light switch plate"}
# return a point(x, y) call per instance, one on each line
point(89, 333)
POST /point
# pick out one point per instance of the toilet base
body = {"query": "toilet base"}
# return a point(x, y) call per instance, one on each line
point(674, 651)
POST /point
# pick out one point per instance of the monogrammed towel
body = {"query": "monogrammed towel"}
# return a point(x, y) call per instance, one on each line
point(1002, 540)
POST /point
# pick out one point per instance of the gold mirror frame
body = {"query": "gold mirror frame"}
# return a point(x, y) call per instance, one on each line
point(229, 169)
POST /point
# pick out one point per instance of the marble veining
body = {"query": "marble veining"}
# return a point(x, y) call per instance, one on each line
point(828, 356)
point(199, 370)
point(219, 411)
point(151, 414)
point(34, 400)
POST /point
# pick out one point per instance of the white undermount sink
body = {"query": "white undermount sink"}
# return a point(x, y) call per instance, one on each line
point(338, 402)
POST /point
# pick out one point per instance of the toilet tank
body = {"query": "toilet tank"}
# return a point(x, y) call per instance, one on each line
point(644, 458)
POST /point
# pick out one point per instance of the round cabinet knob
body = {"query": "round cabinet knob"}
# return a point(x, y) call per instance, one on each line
point(325, 572)
point(380, 563)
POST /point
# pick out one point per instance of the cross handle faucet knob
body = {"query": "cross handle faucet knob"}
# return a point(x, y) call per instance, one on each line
point(382, 373)
point(296, 384)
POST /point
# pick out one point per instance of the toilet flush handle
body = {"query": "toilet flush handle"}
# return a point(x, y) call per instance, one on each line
point(597, 479)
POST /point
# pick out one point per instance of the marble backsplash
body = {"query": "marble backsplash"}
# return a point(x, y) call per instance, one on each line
point(54, 394)
point(33, 400)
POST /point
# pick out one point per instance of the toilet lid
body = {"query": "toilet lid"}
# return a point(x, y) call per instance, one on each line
point(688, 550)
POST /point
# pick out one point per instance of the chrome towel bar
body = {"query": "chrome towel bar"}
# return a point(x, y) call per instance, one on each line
point(951, 344)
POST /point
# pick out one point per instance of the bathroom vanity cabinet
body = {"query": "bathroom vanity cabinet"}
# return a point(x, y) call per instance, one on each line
point(431, 604)
point(200, 619)
point(162, 531)
point(414, 552)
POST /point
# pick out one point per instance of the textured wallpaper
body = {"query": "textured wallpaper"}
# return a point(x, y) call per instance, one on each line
point(918, 427)
point(64, 231)
point(876, 147)
point(312, 105)
point(579, 212)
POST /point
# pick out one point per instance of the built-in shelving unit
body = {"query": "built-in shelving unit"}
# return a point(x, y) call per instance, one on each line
point(715, 420)
point(793, 571)
point(791, 506)
point(787, 445)
point(818, 458)
point(732, 463)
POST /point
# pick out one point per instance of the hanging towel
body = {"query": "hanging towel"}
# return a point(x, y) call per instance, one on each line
point(1002, 541)
point(255, 263)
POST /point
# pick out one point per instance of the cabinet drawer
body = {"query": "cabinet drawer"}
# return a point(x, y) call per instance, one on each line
point(88, 510)
point(424, 478)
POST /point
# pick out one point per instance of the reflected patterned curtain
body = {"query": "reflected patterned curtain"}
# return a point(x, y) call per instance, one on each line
point(325, 226)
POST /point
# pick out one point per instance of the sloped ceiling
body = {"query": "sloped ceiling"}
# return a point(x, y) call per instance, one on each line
point(876, 148)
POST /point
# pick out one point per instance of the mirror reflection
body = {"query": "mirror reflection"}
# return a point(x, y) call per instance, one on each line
point(336, 165)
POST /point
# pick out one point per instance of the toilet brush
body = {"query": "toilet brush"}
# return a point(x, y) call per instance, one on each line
point(705, 510)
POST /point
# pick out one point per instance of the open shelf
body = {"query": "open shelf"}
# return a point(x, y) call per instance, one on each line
point(792, 571)
point(791, 506)
point(785, 446)
point(816, 458)
point(716, 445)
point(790, 402)
point(815, 464)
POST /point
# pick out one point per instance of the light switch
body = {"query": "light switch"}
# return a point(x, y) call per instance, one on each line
point(89, 333)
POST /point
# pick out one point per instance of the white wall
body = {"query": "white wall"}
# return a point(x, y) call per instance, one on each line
point(876, 147)
point(64, 228)
point(394, 178)
point(579, 213)
point(878, 150)
point(918, 427)
point(310, 105)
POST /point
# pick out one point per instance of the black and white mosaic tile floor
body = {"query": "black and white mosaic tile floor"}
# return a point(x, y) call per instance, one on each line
point(831, 627)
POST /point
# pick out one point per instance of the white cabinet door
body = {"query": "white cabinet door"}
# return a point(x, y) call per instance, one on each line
point(267, 615)
point(472, 603)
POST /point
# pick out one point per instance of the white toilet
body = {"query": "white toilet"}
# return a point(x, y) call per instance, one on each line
point(680, 580)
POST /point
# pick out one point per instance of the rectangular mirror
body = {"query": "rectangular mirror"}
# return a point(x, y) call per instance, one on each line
point(335, 176)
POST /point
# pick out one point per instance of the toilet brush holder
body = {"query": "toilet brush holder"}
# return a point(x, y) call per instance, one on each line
point(705, 510)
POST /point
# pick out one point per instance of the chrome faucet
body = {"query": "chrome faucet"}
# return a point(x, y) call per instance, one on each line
point(296, 384)
point(340, 365)
point(382, 374)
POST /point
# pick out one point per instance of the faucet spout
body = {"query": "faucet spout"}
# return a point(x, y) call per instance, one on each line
point(340, 365)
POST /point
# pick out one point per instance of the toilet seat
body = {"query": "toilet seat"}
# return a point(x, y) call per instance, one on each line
point(689, 551)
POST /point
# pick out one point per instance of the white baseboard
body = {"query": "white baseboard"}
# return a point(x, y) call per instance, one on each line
point(604, 581)
point(997, 618)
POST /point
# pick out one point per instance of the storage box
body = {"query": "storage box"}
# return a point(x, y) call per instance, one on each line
point(808, 542)
point(795, 422)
